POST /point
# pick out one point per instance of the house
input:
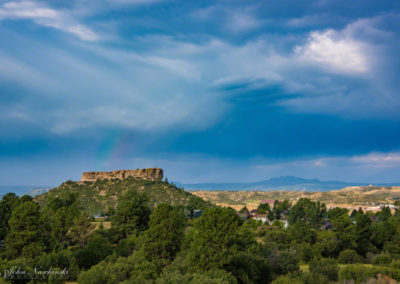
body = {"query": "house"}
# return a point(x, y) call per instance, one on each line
point(260, 217)
point(197, 213)
point(269, 201)
point(253, 212)
point(373, 218)
point(284, 222)
point(327, 225)
point(285, 212)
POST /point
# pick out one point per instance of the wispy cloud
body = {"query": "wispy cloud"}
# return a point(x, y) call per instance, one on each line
point(47, 16)
point(378, 159)
point(231, 19)
point(171, 82)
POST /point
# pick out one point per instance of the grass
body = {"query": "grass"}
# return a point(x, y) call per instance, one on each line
point(351, 197)
point(305, 267)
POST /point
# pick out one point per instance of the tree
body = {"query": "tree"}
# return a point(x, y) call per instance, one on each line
point(349, 256)
point(214, 238)
point(345, 232)
point(363, 233)
point(7, 205)
point(26, 231)
point(336, 212)
point(80, 230)
point(384, 214)
point(384, 232)
point(25, 198)
point(264, 208)
point(248, 268)
point(325, 266)
point(278, 236)
point(96, 250)
point(132, 214)
point(61, 221)
point(177, 277)
point(58, 260)
point(279, 207)
point(244, 211)
point(96, 274)
point(307, 211)
point(301, 232)
point(166, 230)
point(61, 212)
point(287, 263)
point(326, 243)
point(397, 207)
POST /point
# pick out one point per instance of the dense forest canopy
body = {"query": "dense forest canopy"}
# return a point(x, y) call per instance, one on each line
point(139, 241)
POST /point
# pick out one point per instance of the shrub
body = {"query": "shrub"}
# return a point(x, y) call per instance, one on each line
point(349, 256)
point(127, 246)
point(360, 273)
point(356, 272)
point(395, 264)
point(382, 259)
point(96, 250)
point(314, 278)
point(286, 280)
point(287, 263)
point(96, 274)
point(58, 260)
point(176, 277)
point(248, 268)
point(325, 266)
point(305, 252)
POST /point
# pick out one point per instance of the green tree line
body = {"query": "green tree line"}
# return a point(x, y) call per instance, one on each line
point(165, 244)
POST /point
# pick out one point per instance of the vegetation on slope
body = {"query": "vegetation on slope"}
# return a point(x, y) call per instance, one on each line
point(101, 197)
point(149, 241)
point(163, 244)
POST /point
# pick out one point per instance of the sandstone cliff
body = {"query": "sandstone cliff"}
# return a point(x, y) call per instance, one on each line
point(151, 173)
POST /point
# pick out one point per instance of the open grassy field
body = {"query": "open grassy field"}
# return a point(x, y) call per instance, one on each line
point(349, 197)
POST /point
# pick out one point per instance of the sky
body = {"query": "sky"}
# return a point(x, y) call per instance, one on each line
point(211, 91)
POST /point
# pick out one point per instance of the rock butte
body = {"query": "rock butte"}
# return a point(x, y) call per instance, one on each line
point(150, 173)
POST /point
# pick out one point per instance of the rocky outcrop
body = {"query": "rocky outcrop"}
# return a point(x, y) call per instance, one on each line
point(151, 173)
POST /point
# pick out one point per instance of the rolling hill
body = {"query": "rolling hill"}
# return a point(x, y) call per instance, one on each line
point(287, 183)
point(97, 197)
point(347, 197)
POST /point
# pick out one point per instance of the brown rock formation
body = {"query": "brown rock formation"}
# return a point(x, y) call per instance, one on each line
point(151, 173)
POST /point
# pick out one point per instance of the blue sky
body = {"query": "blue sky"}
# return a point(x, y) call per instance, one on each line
point(208, 90)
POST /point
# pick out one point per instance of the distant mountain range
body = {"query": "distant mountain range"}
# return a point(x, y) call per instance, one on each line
point(289, 183)
point(20, 190)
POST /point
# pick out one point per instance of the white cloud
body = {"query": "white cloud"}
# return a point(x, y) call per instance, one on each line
point(46, 16)
point(339, 52)
point(378, 159)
